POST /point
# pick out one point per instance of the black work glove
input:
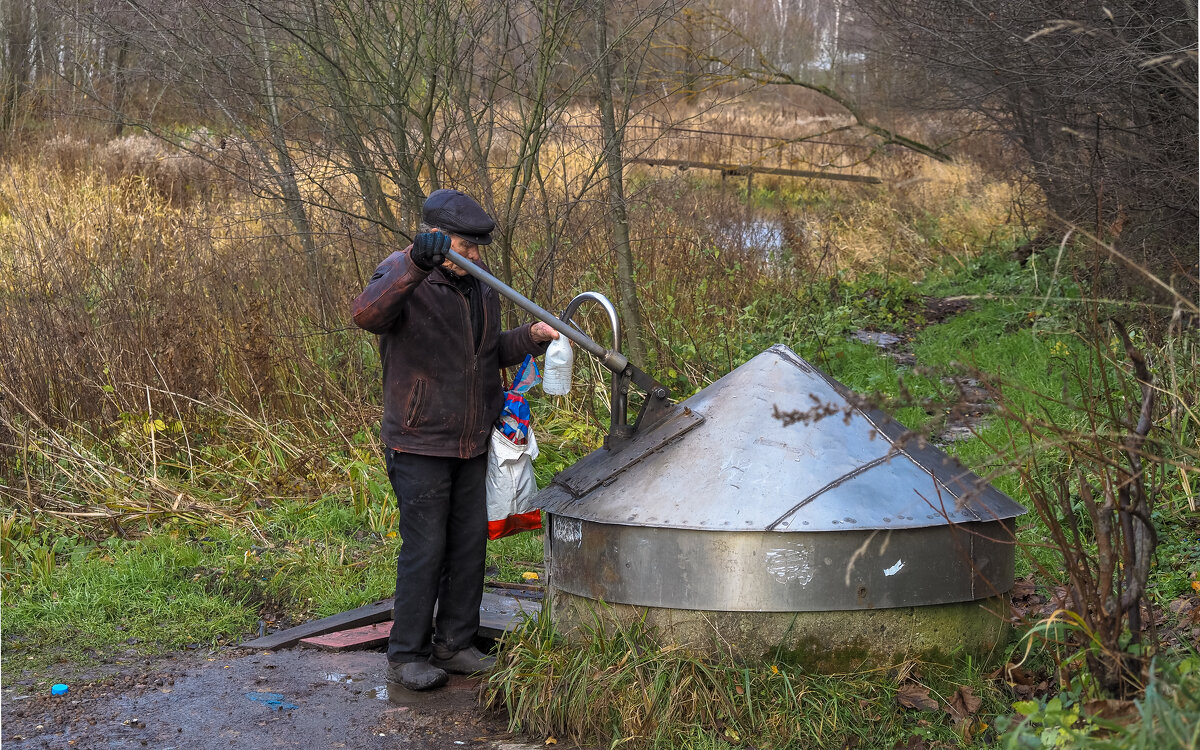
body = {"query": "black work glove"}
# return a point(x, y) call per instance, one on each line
point(429, 249)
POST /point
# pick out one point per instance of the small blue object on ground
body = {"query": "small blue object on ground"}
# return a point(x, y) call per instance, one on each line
point(274, 701)
point(58, 689)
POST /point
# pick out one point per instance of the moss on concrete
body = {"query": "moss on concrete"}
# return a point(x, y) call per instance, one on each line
point(828, 642)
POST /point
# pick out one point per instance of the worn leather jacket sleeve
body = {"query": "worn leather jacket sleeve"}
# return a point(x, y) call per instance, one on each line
point(516, 343)
point(382, 303)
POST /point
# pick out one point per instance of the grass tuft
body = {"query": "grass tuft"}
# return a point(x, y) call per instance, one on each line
point(623, 688)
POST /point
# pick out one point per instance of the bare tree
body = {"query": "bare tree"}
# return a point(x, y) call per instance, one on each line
point(26, 27)
point(741, 58)
point(228, 59)
point(1101, 99)
point(615, 166)
point(358, 109)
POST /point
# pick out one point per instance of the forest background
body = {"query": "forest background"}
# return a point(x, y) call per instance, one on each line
point(192, 192)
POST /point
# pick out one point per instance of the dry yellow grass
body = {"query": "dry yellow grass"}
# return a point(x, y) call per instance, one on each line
point(925, 211)
point(127, 265)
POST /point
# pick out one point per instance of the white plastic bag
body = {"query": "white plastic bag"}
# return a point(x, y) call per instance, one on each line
point(511, 486)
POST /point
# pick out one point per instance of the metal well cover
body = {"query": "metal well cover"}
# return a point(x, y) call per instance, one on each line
point(724, 462)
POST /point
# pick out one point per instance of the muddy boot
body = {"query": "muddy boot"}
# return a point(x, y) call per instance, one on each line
point(417, 675)
point(469, 660)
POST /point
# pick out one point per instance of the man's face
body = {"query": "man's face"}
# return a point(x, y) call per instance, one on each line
point(465, 248)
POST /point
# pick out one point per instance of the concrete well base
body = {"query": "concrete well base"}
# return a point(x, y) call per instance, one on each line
point(828, 642)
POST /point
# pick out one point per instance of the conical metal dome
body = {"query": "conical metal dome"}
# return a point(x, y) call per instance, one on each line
point(723, 461)
point(722, 507)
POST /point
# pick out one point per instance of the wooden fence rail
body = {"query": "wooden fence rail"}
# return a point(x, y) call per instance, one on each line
point(750, 169)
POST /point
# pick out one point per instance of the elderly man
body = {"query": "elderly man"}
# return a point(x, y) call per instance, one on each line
point(442, 351)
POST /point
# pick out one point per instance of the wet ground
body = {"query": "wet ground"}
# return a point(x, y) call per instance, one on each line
point(973, 402)
point(297, 698)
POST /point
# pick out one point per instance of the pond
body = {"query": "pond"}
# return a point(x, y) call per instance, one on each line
point(752, 235)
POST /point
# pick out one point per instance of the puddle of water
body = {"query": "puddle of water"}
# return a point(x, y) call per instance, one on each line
point(338, 677)
point(381, 692)
point(878, 338)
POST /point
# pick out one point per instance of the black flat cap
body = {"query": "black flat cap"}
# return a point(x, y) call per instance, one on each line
point(458, 213)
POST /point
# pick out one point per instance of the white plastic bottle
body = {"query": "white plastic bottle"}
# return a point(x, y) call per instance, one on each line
point(556, 379)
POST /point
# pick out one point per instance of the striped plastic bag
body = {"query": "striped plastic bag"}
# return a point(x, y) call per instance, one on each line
point(510, 481)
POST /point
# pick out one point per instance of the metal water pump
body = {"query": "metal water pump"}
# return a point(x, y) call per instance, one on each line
point(657, 405)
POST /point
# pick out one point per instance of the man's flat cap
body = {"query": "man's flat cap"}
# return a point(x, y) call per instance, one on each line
point(457, 213)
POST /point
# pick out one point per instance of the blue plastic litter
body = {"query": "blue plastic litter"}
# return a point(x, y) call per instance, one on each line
point(274, 701)
point(514, 419)
point(58, 689)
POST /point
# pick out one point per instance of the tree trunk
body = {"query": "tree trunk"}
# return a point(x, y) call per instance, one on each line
point(285, 174)
point(626, 283)
point(15, 63)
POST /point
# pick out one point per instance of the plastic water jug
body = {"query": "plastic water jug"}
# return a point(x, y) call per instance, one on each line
point(556, 378)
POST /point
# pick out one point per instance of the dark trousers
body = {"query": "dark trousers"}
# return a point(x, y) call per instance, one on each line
point(443, 526)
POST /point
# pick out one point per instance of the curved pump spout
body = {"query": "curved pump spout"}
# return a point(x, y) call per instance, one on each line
point(657, 405)
point(619, 403)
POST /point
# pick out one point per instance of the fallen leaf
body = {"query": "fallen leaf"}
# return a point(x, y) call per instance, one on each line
point(969, 728)
point(551, 741)
point(1111, 709)
point(963, 704)
point(1023, 683)
point(915, 696)
point(1023, 587)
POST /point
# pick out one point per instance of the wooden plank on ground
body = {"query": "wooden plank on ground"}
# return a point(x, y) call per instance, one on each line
point(354, 639)
point(365, 615)
point(498, 614)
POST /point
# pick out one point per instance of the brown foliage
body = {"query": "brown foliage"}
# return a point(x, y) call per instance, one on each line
point(1101, 100)
point(178, 177)
point(113, 293)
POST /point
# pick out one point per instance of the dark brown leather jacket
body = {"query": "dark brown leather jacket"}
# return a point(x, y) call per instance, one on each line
point(440, 394)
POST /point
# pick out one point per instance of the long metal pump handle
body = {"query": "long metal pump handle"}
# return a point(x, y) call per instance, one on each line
point(656, 405)
point(610, 358)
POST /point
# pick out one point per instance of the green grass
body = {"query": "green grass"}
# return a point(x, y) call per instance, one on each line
point(1167, 716)
point(514, 555)
point(180, 585)
point(622, 688)
point(144, 591)
point(185, 582)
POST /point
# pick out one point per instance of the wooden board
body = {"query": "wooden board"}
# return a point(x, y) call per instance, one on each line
point(354, 639)
point(498, 614)
point(748, 169)
point(365, 615)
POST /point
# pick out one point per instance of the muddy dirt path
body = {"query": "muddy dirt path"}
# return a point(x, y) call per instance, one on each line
point(967, 412)
point(296, 698)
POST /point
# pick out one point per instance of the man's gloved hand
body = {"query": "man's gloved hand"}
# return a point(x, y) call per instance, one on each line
point(429, 249)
